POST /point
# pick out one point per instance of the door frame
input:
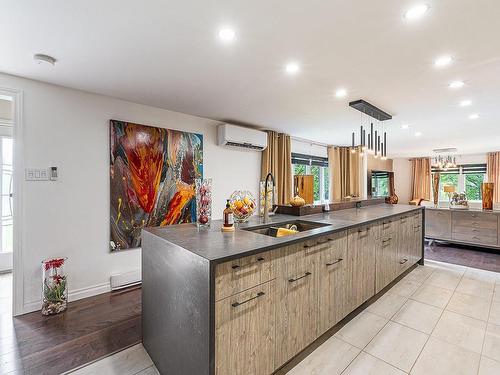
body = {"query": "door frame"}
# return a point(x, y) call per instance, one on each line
point(18, 207)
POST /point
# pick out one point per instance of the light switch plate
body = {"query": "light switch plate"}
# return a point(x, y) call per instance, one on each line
point(37, 174)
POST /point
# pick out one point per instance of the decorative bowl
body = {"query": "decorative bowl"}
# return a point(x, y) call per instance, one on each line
point(243, 205)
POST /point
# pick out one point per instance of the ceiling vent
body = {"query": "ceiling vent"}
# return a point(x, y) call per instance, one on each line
point(449, 150)
point(241, 138)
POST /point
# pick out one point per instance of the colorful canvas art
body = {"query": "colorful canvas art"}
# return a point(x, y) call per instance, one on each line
point(152, 174)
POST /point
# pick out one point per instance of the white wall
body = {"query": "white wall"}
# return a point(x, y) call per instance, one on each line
point(402, 179)
point(70, 217)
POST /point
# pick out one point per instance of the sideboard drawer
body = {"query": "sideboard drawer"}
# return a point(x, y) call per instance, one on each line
point(475, 238)
point(438, 224)
point(475, 220)
point(240, 274)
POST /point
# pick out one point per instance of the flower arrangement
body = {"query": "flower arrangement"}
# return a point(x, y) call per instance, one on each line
point(55, 292)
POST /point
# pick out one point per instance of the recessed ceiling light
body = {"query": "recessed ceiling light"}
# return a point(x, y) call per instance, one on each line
point(227, 34)
point(40, 58)
point(465, 103)
point(474, 116)
point(405, 126)
point(416, 12)
point(418, 134)
point(442, 61)
point(456, 84)
point(292, 68)
point(340, 93)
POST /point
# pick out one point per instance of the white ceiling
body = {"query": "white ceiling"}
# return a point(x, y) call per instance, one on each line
point(166, 54)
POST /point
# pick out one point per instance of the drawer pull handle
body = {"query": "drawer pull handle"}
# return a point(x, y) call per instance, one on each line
point(387, 240)
point(292, 280)
point(416, 227)
point(403, 261)
point(236, 304)
point(474, 215)
point(363, 231)
point(335, 262)
point(236, 266)
point(307, 246)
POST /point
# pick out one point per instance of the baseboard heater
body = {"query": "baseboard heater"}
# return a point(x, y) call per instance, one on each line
point(125, 280)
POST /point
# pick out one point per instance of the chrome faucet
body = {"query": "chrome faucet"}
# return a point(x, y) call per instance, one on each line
point(266, 201)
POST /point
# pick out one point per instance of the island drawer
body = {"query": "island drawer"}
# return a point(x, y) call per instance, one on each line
point(322, 243)
point(387, 227)
point(241, 274)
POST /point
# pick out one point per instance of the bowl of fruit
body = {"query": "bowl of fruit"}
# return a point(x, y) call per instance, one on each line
point(243, 205)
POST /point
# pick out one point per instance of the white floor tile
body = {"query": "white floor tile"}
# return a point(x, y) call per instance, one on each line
point(405, 287)
point(361, 329)
point(495, 313)
point(397, 345)
point(432, 295)
point(446, 279)
point(460, 330)
point(442, 358)
point(489, 366)
point(419, 274)
point(387, 305)
point(476, 288)
point(365, 364)
point(418, 315)
point(465, 304)
point(331, 358)
point(491, 346)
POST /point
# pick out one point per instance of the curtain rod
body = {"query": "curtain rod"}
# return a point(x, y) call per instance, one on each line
point(303, 140)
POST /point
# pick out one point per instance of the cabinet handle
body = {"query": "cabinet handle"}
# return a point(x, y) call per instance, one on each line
point(416, 227)
point(360, 231)
point(292, 280)
point(236, 304)
point(236, 266)
point(335, 262)
point(403, 261)
point(476, 238)
point(474, 215)
point(475, 223)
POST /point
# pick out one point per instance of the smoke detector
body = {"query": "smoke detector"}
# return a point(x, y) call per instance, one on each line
point(40, 58)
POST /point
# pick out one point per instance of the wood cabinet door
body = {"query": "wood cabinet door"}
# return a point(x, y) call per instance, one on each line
point(387, 258)
point(245, 332)
point(417, 240)
point(438, 224)
point(297, 302)
point(361, 244)
point(332, 282)
point(405, 244)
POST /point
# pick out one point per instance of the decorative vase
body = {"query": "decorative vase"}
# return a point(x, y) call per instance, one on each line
point(55, 287)
point(487, 189)
point(203, 202)
point(435, 188)
point(393, 199)
point(262, 200)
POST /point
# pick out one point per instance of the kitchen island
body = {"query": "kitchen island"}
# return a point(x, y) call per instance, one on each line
point(246, 302)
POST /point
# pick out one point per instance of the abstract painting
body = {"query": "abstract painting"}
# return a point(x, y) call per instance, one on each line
point(152, 176)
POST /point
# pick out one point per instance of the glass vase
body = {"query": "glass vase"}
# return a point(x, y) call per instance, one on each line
point(54, 288)
point(203, 202)
point(262, 197)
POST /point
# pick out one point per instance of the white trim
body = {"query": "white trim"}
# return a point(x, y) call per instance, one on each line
point(18, 191)
point(74, 295)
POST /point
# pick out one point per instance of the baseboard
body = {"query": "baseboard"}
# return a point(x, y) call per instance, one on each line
point(73, 295)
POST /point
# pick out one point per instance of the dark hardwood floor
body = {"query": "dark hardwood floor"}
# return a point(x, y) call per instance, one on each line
point(91, 328)
point(475, 257)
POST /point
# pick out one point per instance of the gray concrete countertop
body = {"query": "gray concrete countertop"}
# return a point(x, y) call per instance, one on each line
point(217, 246)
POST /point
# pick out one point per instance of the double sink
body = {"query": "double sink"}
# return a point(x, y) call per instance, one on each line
point(286, 229)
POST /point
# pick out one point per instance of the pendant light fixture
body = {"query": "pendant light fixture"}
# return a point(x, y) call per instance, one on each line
point(377, 142)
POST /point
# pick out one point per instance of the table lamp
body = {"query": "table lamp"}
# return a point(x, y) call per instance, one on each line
point(449, 189)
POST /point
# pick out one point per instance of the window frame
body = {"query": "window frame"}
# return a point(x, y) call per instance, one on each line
point(461, 184)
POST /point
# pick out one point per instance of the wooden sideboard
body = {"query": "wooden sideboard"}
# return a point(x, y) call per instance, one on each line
point(470, 227)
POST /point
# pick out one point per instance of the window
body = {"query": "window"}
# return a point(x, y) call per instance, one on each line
point(317, 167)
point(465, 178)
point(6, 233)
point(380, 184)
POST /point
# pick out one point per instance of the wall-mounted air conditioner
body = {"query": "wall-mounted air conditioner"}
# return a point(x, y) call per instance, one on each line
point(242, 138)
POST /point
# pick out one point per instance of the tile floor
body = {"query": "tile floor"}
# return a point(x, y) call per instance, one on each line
point(440, 319)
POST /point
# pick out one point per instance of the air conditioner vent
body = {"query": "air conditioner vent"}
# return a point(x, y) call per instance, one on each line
point(241, 138)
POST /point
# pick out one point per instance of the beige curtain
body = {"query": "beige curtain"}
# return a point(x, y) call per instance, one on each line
point(277, 159)
point(493, 165)
point(421, 178)
point(345, 172)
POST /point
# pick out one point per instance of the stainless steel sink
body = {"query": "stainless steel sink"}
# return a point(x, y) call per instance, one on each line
point(298, 225)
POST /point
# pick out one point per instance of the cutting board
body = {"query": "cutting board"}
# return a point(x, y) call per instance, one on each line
point(304, 187)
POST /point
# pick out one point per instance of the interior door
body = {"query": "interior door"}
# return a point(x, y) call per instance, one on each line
point(6, 201)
